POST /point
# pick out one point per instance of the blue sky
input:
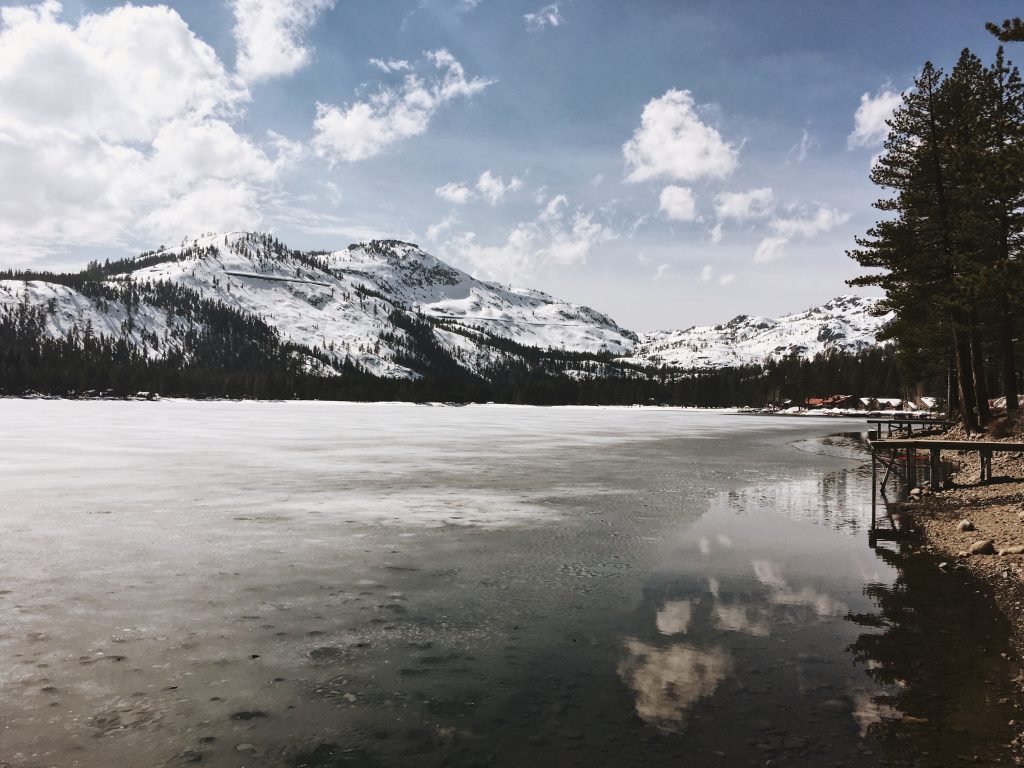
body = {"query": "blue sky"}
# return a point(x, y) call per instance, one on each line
point(669, 163)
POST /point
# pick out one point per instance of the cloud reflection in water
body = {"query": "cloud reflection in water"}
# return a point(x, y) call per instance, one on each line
point(770, 574)
point(673, 618)
point(669, 680)
point(741, 618)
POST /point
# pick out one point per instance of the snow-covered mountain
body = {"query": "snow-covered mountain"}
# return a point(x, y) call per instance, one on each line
point(843, 324)
point(391, 310)
point(340, 305)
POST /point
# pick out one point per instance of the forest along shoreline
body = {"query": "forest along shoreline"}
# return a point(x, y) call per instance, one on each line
point(978, 528)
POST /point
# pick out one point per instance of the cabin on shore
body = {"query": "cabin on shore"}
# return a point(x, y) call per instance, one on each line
point(868, 404)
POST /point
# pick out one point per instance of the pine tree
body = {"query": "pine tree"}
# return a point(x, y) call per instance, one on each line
point(1006, 189)
point(1010, 31)
point(915, 247)
point(949, 253)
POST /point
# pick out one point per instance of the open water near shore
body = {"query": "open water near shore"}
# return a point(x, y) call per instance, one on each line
point(325, 584)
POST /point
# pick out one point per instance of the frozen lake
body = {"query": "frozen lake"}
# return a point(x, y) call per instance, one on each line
point(334, 584)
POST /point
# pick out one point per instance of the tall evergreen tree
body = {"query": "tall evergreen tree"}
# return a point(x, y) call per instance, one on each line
point(915, 247)
point(1005, 187)
point(949, 251)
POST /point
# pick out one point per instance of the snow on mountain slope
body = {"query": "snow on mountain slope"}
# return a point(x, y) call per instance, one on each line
point(70, 310)
point(390, 308)
point(844, 323)
point(437, 290)
point(339, 303)
point(305, 305)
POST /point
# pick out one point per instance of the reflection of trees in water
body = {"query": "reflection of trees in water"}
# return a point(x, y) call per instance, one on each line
point(934, 645)
point(839, 500)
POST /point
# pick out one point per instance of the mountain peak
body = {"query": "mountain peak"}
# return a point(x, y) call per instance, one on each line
point(398, 247)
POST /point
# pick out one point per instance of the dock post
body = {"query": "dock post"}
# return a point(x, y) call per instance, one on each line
point(911, 467)
point(935, 460)
point(874, 473)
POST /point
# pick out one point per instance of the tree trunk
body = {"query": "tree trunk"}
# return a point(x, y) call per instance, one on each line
point(950, 386)
point(1009, 361)
point(978, 369)
point(964, 376)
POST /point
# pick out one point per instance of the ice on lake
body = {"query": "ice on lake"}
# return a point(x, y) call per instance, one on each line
point(246, 583)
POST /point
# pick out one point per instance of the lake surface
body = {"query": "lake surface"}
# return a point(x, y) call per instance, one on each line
point(330, 584)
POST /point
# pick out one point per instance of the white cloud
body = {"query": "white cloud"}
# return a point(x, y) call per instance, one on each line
point(869, 128)
point(673, 142)
point(391, 65)
point(366, 128)
point(663, 271)
point(334, 193)
point(820, 221)
point(770, 249)
point(86, 80)
point(571, 243)
point(453, 192)
point(112, 127)
point(678, 203)
point(548, 16)
point(269, 35)
point(557, 240)
point(191, 150)
point(803, 148)
point(638, 222)
point(490, 187)
point(214, 205)
point(740, 206)
point(716, 233)
point(806, 226)
point(312, 222)
point(435, 231)
point(44, 12)
point(493, 188)
point(707, 275)
point(553, 208)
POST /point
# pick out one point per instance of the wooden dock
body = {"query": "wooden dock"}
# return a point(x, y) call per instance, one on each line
point(904, 457)
point(906, 426)
point(911, 453)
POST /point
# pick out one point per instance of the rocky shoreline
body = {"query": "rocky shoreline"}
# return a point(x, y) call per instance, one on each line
point(978, 530)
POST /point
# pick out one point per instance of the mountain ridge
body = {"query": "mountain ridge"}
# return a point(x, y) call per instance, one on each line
point(844, 323)
point(386, 306)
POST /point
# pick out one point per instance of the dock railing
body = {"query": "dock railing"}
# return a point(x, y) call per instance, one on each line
point(904, 457)
point(906, 426)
